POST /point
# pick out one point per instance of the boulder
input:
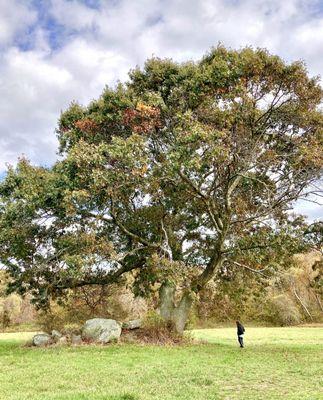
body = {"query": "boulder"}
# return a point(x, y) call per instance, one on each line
point(76, 339)
point(101, 330)
point(42, 339)
point(133, 324)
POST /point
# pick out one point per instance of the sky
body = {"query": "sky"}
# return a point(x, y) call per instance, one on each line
point(55, 51)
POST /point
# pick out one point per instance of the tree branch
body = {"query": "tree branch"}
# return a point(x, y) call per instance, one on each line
point(257, 271)
point(127, 232)
point(99, 279)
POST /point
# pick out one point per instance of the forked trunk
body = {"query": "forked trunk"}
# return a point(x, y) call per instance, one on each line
point(176, 313)
point(181, 312)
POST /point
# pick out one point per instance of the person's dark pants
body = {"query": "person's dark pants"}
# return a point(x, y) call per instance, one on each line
point(240, 338)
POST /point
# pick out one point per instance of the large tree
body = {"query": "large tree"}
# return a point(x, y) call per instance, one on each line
point(181, 174)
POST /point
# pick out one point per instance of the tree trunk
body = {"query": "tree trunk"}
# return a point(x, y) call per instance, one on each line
point(181, 312)
point(177, 314)
point(166, 300)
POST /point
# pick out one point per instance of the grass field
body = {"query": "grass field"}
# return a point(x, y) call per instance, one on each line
point(277, 363)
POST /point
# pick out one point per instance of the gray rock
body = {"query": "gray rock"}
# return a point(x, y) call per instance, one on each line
point(133, 324)
point(101, 330)
point(76, 339)
point(56, 335)
point(42, 339)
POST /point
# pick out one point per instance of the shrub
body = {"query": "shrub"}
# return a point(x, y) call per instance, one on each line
point(157, 330)
point(5, 319)
point(88, 302)
point(281, 310)
point(54, 318)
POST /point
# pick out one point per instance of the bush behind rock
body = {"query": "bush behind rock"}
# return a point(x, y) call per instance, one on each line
point(156, 330)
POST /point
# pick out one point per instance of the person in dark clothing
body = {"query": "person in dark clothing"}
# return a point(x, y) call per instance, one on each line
point(240, 331)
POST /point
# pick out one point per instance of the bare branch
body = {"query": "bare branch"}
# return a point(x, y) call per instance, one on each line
point(257, 271)
point(167, 247)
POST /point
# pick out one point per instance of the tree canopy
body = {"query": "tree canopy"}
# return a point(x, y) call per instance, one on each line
point(183, 173)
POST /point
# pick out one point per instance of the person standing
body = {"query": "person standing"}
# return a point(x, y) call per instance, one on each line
point(240, 332)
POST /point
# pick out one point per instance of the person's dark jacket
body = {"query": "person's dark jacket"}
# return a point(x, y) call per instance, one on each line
point(240, 329)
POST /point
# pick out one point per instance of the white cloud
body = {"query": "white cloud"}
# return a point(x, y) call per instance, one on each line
point(313, 210)
point(15, 18)
point(36, 85)
point(32, 91)
point(92, 66)
point(73, 14)
point(74, 50)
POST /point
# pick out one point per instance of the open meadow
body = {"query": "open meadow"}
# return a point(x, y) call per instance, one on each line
point(277, 363)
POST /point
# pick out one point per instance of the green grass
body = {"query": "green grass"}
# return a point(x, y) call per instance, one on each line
point(277, 363)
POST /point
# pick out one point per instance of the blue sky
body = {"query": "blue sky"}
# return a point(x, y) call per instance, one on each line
point(56, 51)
